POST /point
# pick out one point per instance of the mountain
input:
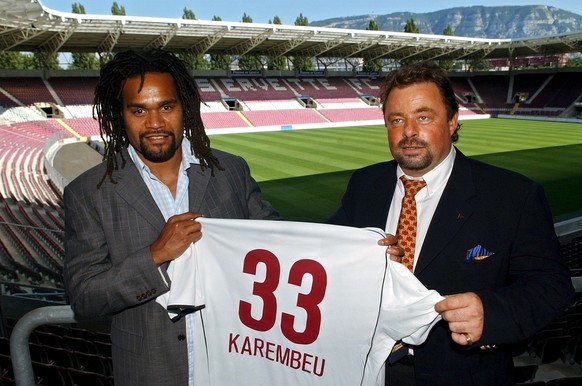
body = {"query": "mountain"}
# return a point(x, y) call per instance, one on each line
point(513, 22)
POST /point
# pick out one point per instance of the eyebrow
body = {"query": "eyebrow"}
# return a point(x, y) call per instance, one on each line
point(161, 103)
point(419, 110)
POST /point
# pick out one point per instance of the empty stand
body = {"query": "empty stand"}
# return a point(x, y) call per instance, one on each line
point(56, 361)
point(353, 114)
point(223, 120)
point(84, 126)
point(493, 92)
point(283, 117)
point(27, 90)
point(74, 90)
point(32, 246)
point(560, 92)
point(572, 253)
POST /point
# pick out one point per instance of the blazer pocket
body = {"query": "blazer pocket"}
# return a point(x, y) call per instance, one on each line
point(478, 253)
point(126, 340)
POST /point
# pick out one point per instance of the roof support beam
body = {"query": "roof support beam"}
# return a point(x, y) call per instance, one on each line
point(288, 45)
point(163, 39)
point(247, 45)
point(12, 37)
point(106, 46)
point(54, 43)
point(205, 44)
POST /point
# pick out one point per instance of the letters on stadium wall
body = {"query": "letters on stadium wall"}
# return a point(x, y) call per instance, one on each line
point(303, 86)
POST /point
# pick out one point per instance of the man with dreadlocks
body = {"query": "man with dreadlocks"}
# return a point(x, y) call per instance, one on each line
point(128, 217)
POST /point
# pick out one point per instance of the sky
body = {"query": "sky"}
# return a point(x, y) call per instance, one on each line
point(262, 11)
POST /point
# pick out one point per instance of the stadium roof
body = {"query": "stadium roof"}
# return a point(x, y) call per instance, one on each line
point(27, 25)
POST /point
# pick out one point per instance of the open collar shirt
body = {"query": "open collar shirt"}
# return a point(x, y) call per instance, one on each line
point(170, 206)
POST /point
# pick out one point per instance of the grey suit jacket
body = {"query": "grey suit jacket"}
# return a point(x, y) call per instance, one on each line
point(109, 270)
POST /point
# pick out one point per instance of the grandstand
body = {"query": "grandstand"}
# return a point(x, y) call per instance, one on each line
point(44, 115)
point(34, 160)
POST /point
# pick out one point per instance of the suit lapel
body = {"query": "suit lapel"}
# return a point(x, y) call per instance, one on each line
point(451, 213)
point(197, 186)
point(133, 190)
point(384, 187)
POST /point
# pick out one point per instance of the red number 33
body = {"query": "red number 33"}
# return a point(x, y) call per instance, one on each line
point(266, 291)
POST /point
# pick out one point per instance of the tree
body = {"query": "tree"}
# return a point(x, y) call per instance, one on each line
point(28, 62)
point(302, 62)
point(302, 20)
point(83, 61)
point(574, 62)
point(447, 65)
point(373, 65)
point(117, 10)
point(219, 62)
point(249, 62)
point(188, 14)
point(46, 61)
point(479, 64)
point(11, 60)
point(278, 63)
point(78, 8)
point(411, 27)
point(197, 62)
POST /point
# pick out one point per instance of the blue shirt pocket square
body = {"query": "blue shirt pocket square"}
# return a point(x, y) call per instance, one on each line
point(478, 252)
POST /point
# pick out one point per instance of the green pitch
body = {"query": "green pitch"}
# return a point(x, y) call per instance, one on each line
point(304, 173)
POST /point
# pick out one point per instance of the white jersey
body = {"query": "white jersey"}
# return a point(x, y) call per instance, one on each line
point(290, 303)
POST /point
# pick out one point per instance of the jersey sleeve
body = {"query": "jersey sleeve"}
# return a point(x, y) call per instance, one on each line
point(407, 310)
point(184, 296)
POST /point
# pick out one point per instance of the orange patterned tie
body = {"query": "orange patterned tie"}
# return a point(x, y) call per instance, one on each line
point(406, 231)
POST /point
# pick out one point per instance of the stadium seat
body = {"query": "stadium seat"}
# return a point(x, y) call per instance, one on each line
point(88, 378)
point(566, 381)
point(79, 344)
point(47, 339)
point(59, 356)
point(103, 348)
point(6, 366)
point(92, 363)
point(525, 373)
point(553, 348)
point(50, 375)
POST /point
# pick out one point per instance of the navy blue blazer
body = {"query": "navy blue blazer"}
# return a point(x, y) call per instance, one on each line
point(492, 233)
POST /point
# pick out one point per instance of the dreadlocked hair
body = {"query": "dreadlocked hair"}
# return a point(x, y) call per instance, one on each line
point(108, 104)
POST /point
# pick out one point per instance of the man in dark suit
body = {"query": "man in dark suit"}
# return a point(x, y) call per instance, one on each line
point(127, 218)
point(485, 238)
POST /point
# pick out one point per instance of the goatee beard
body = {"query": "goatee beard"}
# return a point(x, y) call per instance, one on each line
point(161, 155)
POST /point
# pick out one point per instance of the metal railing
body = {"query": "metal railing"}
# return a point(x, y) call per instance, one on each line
point(19, 350)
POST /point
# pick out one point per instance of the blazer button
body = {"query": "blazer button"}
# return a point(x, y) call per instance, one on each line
point(181, 337)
